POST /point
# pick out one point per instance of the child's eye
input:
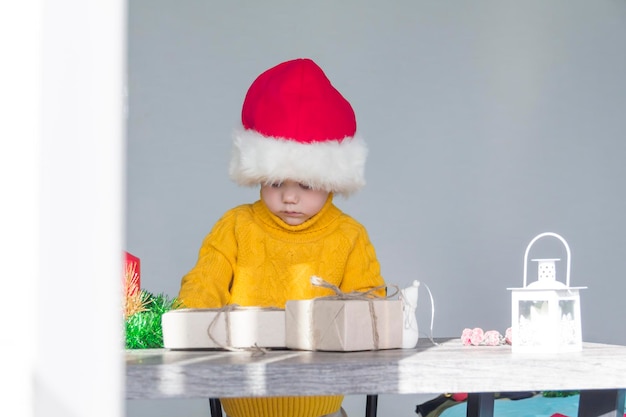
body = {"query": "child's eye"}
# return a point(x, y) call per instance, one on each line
point(276, 184)
point(305, 186)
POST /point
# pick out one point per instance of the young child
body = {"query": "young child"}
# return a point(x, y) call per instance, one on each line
point(298, 142)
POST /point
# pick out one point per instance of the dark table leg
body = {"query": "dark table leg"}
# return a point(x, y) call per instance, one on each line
point(602, 403)
point(480, 404)
point(216, 407)
point(371, 404)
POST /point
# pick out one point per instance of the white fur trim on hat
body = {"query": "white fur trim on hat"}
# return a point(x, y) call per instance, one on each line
point(332, 165)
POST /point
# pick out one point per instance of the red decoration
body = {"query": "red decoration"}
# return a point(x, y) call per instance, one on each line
point(132, 274)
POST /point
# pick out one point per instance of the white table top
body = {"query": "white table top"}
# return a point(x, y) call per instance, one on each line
point(427, 369)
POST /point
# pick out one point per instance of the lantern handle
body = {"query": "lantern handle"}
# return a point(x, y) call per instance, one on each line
point(536, 239)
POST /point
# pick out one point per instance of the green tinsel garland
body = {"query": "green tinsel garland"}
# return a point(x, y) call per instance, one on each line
point(554, 394)
point(143, 329)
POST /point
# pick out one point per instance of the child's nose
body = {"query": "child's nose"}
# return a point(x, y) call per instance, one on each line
point(290, 195)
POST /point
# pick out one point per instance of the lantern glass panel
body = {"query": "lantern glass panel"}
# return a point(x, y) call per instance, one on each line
point(569, 323)
point(534, 322)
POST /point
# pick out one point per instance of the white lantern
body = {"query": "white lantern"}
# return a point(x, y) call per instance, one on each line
point(546, 313)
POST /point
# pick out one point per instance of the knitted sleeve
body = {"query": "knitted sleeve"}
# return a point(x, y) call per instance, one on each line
point(207, 285)
point(362, 268)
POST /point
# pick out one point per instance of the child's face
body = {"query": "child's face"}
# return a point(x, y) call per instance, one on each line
point(293, 202)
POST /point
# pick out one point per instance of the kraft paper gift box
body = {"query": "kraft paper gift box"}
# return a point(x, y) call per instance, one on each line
point(236, 327)
point(343, 325)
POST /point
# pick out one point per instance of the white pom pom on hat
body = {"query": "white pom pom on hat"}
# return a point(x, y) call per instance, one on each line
point(297, 126)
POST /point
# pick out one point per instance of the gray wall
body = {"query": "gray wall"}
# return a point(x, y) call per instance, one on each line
point(488, 123)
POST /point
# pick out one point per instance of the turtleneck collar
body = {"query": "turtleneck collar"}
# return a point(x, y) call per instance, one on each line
point(326, 215)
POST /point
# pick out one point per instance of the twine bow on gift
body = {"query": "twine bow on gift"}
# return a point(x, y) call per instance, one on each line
point(226, 310)
point(353, 295)
point(368, 296)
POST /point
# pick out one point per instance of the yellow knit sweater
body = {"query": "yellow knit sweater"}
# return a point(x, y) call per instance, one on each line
point(252, 258)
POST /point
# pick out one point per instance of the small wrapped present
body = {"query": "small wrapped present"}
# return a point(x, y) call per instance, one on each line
point(346, 322)
point(229, 328)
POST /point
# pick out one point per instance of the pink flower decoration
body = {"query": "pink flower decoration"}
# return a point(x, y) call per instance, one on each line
point(476, 337)
point(492, 338)
point(508, 336)
point(466, 337)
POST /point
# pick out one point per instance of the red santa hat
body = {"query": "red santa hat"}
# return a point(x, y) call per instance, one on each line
point(297, 126)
